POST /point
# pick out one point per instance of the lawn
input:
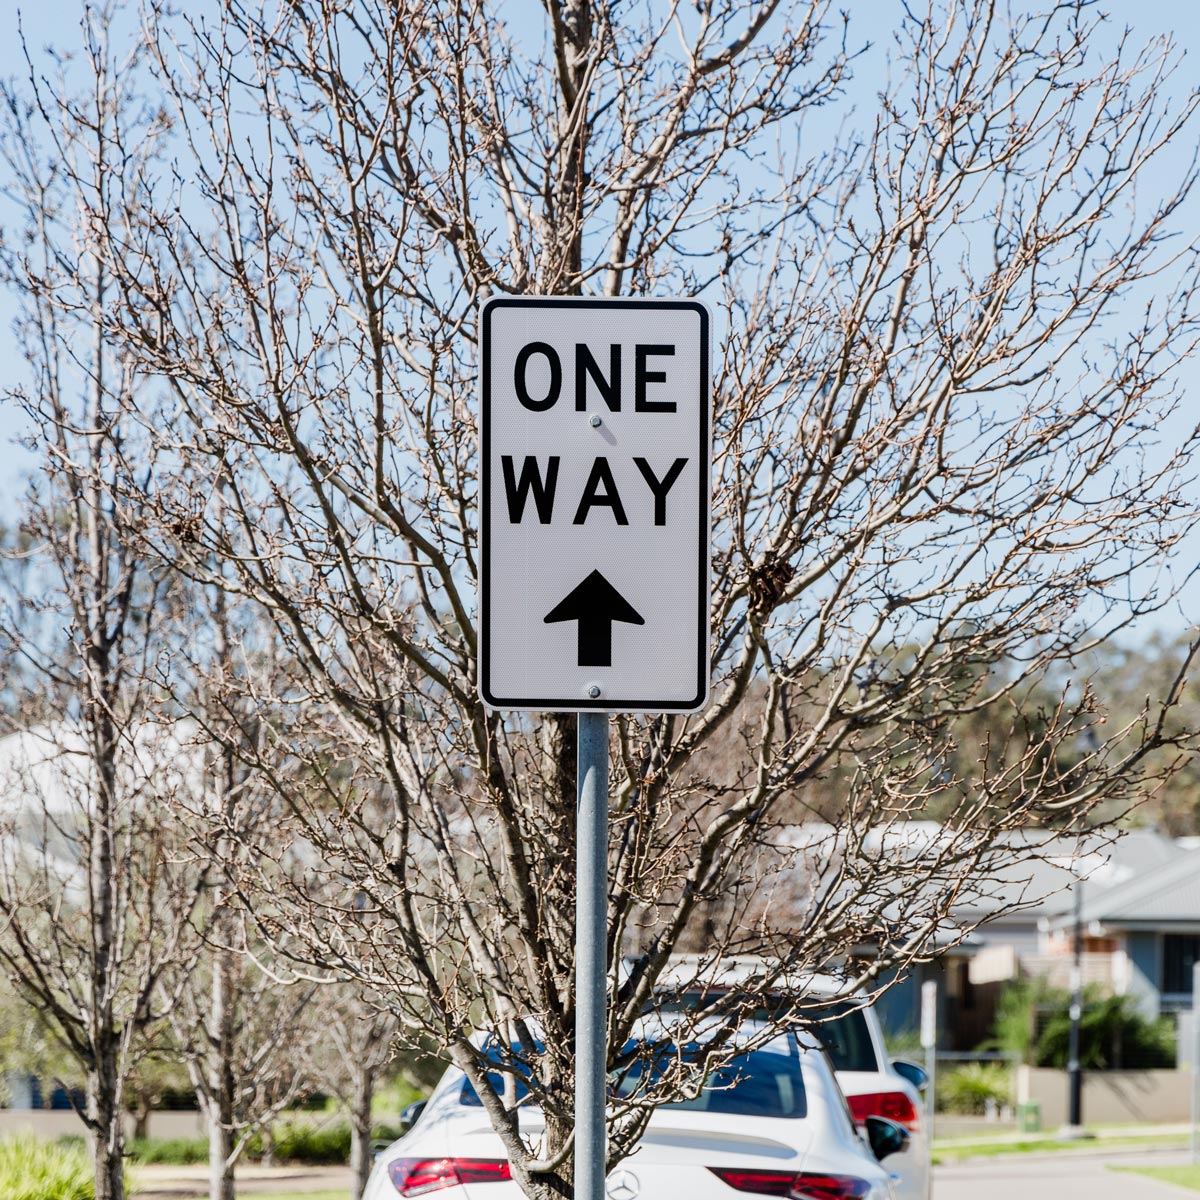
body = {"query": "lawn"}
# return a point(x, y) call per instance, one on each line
point(340, 1194)
point(1188, 1177)
point(954, 1152)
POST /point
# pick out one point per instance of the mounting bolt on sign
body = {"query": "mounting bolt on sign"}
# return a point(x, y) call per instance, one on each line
point(594, 531)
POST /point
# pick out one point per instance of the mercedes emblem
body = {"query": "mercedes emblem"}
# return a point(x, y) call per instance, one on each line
point(622, 1185)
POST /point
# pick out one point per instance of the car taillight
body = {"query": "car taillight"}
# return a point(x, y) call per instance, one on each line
point(801, 1185)
point(895, 1106)
point(417, 1176)
point(830, 1187)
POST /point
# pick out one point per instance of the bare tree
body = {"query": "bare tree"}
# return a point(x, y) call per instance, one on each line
point(94, 909)
point(241, 1028)
point(348, 1060)
point(246, 1038)
point(949, 328)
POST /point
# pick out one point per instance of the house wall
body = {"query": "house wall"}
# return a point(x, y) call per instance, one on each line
point(965, 1011)
point(899, 1008)
point(1143, 953)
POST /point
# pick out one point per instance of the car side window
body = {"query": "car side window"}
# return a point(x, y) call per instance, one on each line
point(843, 1032)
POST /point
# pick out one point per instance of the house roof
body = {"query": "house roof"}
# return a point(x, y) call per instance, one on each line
point(1024, 878)
point(1170, 893)
point(1102, 861)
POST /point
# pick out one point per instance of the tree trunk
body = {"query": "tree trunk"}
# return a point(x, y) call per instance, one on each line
point(104, 1118)
point(104, 1108)
point(141, 1119)
point(360, 1130)
point(220, 1084)
point(220, 1146)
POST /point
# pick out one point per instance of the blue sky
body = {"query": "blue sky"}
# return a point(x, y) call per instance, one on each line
point(58, 21)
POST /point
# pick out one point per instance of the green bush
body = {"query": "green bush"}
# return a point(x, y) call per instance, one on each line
point(968, 1088)
point(397, 1094)
point(904, 1043)
point(171, 1152)
point(1112, 1035)
point(1032, 1022)
point(33, 1169)
point(315, 1145)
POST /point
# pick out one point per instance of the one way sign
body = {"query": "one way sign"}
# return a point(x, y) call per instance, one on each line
point(594, 531)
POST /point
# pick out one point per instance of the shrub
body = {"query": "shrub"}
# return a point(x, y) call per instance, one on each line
point(968, 1088)
point(397, 1094)
point(172, 1152)
point(33, 1169)
point(1032, 1022)
point(1112, 1035)
point(315, 1145)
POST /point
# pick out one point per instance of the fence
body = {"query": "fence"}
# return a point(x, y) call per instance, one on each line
point(1159, 1097)
point(55, 1123)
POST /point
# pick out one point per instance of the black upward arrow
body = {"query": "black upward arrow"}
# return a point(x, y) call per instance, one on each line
point(595, 604)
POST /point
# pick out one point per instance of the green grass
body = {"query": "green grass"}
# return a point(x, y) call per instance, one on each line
point(338, 1195)
point(34, 1169)
point(1188, 1177)
point(955, 1153)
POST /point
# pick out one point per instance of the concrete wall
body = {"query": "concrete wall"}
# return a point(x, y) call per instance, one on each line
point(61, 1122)
point(1109, 1097)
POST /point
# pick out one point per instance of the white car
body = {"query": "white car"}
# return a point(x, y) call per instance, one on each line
point(772, 1123)
point(874, 1085)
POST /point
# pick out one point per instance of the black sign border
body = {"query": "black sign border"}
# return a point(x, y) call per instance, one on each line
point(584, 703)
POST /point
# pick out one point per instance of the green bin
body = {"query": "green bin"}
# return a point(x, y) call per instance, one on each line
point(1029, 1117)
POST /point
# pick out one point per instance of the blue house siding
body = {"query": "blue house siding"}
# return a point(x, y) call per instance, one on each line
point(899, 1008)
point(1144, 949)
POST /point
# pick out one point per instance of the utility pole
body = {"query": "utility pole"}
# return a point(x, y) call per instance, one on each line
point(1074, 1126)
point(1196, 1063)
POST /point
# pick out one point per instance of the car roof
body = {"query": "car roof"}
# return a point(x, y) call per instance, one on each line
point(761, 1034)
point(702, 971)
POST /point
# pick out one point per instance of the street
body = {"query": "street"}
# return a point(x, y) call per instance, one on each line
point(1057, 1176)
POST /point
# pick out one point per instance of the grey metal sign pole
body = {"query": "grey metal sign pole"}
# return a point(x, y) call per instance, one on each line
point(591, 941)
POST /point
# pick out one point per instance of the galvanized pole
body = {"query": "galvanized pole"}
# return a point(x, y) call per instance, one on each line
point(591, 937)
point(1196, 1062)
point(929, 1024)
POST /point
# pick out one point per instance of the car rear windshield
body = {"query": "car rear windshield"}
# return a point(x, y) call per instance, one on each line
point(758, 1084)
point(842, 1026)
point(515, 1077)
point(470, 1097)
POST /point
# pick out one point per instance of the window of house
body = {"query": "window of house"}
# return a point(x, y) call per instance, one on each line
point(1180, 952)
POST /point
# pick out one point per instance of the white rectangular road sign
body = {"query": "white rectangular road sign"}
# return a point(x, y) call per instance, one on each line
point(594, 529)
